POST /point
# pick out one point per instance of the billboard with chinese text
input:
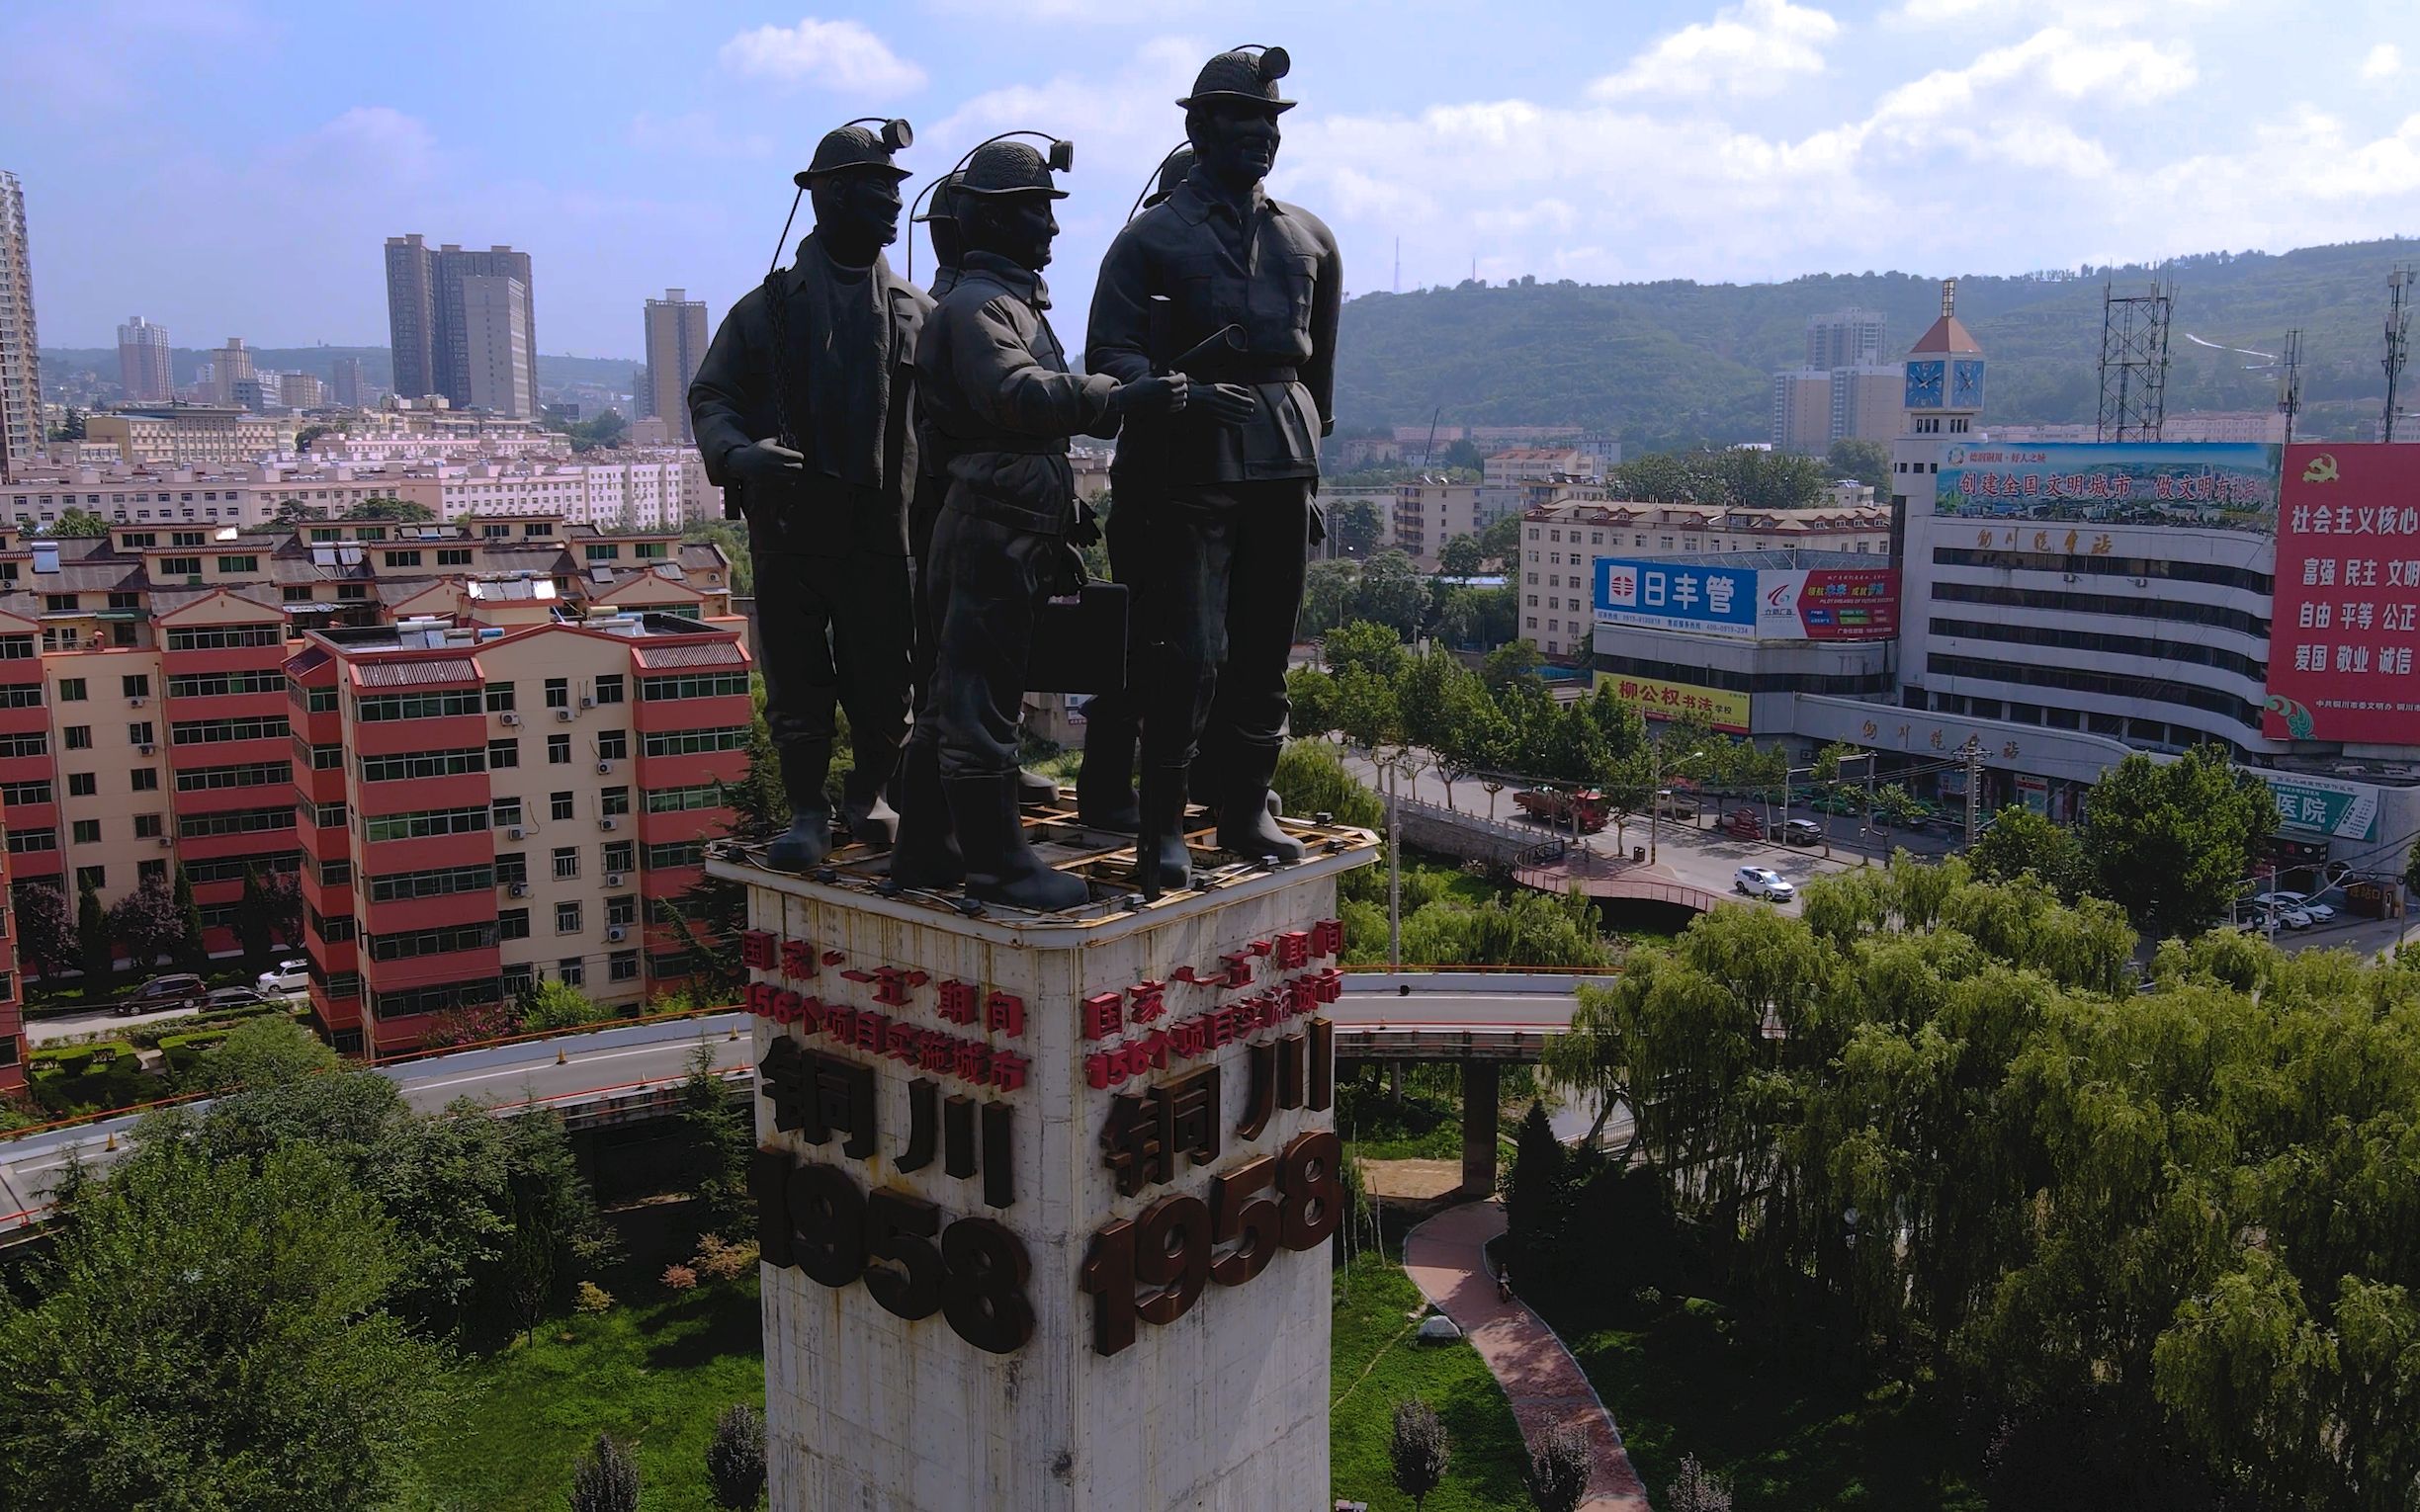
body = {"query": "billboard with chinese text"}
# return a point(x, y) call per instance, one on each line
point(2345, 617)
point(1715, 707)
point(2226, 484)
point(2324, 804)
point(1749, 602)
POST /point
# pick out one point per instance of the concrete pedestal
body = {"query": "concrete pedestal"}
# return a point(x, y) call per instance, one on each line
point(1047, 1198)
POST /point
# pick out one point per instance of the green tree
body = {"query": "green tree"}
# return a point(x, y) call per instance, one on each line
point(2412, 868)
point(402, 511)
point(193, 954)
point(723, 1139)
point(94, 943)
point(1534, 1201)
point(1512, 662)
point(1312, 693)
point(1559, 1470)
point(759, 804)
point(311, 433)
point(1868, 462)
point(732, 537)
point(2172, 842)
point(1310, 779)
point(1392, 592)
point(559, 1005)
point(254, 921)
point(1416, 1450)
point(77, 522)
point(1753, 479)
point(606, 1478)
point(1364, 646)
point(1477, 619)
point(2019, 841)
point(1354, 525)
point(45, 936)
point(184, 1345)
point(735, 1458)
point(1697, 1489)
point(266, 1053)
point(1501, 540)
point(1461, 556)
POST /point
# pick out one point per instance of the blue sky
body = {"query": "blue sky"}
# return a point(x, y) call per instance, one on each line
point(231, 167)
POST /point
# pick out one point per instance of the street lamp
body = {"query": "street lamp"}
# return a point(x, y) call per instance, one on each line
point(1655, 790)
point(1866, 828)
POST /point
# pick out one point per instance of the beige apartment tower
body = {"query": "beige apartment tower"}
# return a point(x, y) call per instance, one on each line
point(143, 369)
point(20, 435)
point(676, 344)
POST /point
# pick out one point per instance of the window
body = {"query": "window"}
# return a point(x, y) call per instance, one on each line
point(622, 909)
point(187, 538)
point(453, 558)
point(17, 793)
point(211, 684)
point(494, 531)
point(136, 685)
point(139, 733)
point(425, 823)
point(559, 750)
point(567, 862)
point(72, 690)
point(693, 685)
point(572, 971)
point(414, 1001)
point(503, 753)
point(335, 815)
point(239, 564)
point(677, 853)
point(613, 745)
point(416, 706)
point(511, 867)
point(693, 742)
point(499, 697)
point(320, 701)
point(403, 558)
point(559, 805)
point(82, 784)
point(150, 871)
point(603, 551)
point(513, 924)
point(79, 737)
point(95, 877)
point(558, 693)
point(423, 764)
point(180, 567)
point(327, 758)
point(334, 874)
point(396, 886)
point(621, 855)
point(59, 603)
point(432, 942)
point(259, 774)
point(224, 638)
point(613, 800)
point(623, 965)
point(23, 841)
point(22, 695)
point(146, 780)
point(507, 812)
point(87, 832)
point(567, 918)
point(147, 826)
point(683, 800)
point(609, 689)
point(235, 822)
point(252, 727)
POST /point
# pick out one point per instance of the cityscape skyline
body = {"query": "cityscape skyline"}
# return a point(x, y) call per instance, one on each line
point(1790, 138)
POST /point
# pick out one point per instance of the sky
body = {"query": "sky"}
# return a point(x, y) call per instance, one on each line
point(232, 167)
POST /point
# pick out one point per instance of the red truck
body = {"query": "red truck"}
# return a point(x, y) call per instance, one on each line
point(1555, 806)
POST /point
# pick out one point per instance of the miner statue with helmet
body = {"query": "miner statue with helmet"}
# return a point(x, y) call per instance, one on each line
point(1237, 468)
point(996, 394)
point(804, 410)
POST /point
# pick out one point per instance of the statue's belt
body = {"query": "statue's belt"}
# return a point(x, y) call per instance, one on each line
point(1020, 446)
point(1244, 373)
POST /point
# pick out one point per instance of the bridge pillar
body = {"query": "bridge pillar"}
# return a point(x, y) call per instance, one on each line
point(1478, 1127)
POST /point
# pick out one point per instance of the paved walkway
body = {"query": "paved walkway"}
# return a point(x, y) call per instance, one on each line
point(1445, 1259)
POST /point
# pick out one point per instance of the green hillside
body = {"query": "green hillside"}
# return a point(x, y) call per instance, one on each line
point(1680, 363)
point(378, 365)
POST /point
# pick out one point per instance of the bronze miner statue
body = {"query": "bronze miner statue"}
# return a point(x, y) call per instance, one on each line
point(805, 413)
point(997, 397)
point(1231, 515)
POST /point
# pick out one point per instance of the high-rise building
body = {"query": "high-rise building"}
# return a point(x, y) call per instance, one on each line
point(1844, 338)
point(301, 390)
point(231, 364)
point(1801, 410)
point(430, 326)
point(346, 386)
point(676, 344)
point(1868, 402)
point(143, 369)
point(497, 373)
point(260, 393)
point(20, 372)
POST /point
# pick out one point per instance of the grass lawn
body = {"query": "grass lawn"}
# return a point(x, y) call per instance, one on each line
point(1376, 1364)
point(655, 1372)
point(1682, 1375)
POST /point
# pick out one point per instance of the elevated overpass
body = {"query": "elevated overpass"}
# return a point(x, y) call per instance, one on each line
point(630, 1073)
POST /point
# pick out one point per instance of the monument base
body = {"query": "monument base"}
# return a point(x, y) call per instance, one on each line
point(1047, 1201)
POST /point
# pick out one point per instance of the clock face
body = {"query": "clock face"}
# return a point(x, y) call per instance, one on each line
point(1966, 384)
point(1924, 385)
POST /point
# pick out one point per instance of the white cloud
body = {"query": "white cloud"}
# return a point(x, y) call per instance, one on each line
point(694, 135)
point(2094, 13)
point(1748, 49)
point(2383, 61)
point(833, 54)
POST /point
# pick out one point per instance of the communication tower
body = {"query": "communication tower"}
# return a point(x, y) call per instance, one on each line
point(2290, 380)
point(2398, 338)
point(2134, 361)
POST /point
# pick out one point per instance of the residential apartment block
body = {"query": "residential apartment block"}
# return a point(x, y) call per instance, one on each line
point(147, 723)
point(143, 370)
point(462, 324)
point(20, 428)
point(677, 336)
point(191, 435)
point(1561, 541)
point(1535, 465)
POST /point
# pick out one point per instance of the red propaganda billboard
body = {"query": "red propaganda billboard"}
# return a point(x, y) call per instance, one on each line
point(2346, 612)
point(1844, 603)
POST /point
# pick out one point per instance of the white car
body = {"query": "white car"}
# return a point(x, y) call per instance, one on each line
point(2267, 907)
point(290, 975)
point(1763, 882)
point(2321, 913)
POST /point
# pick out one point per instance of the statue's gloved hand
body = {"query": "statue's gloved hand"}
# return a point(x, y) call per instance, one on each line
point(761, 462)
point(1071, 577)
point(1319, 523)
point(1226, 403)
point(1086, 530)
point(1163, 395)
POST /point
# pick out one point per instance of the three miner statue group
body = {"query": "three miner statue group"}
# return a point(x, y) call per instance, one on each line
point(902, 458)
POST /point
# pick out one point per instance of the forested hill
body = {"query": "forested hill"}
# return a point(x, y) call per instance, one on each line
point(1677, 363)
point(378, 363)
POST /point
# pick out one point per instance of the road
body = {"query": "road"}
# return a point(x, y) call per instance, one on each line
point(99, 1022)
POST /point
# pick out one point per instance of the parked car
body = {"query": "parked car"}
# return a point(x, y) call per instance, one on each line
point(177, 989)
point(2268, 907)
point(1763, 882)
point(2321, 913)
point(233, 997)
point(1801, 832)
point(1743, 823)
point(290, 975)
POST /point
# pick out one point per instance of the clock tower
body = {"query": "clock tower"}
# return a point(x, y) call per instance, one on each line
point(1944, 375)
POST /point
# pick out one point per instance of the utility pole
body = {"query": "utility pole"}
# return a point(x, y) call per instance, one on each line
point(2290, 382)
point(1655, 790)
point(1394, 776)
point(1974, 788)
point(2398, 339)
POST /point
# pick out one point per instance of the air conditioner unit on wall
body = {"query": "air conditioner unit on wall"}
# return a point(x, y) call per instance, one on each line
point(564, 716)
point(520, 890)
point(613, 879)
point(604, 766)
point(516, 833)
point(617, 932)
point(511, 718)
point(609, 823)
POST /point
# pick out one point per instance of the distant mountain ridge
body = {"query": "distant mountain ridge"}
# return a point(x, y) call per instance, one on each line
point(1676, 364)
point(378, 363)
